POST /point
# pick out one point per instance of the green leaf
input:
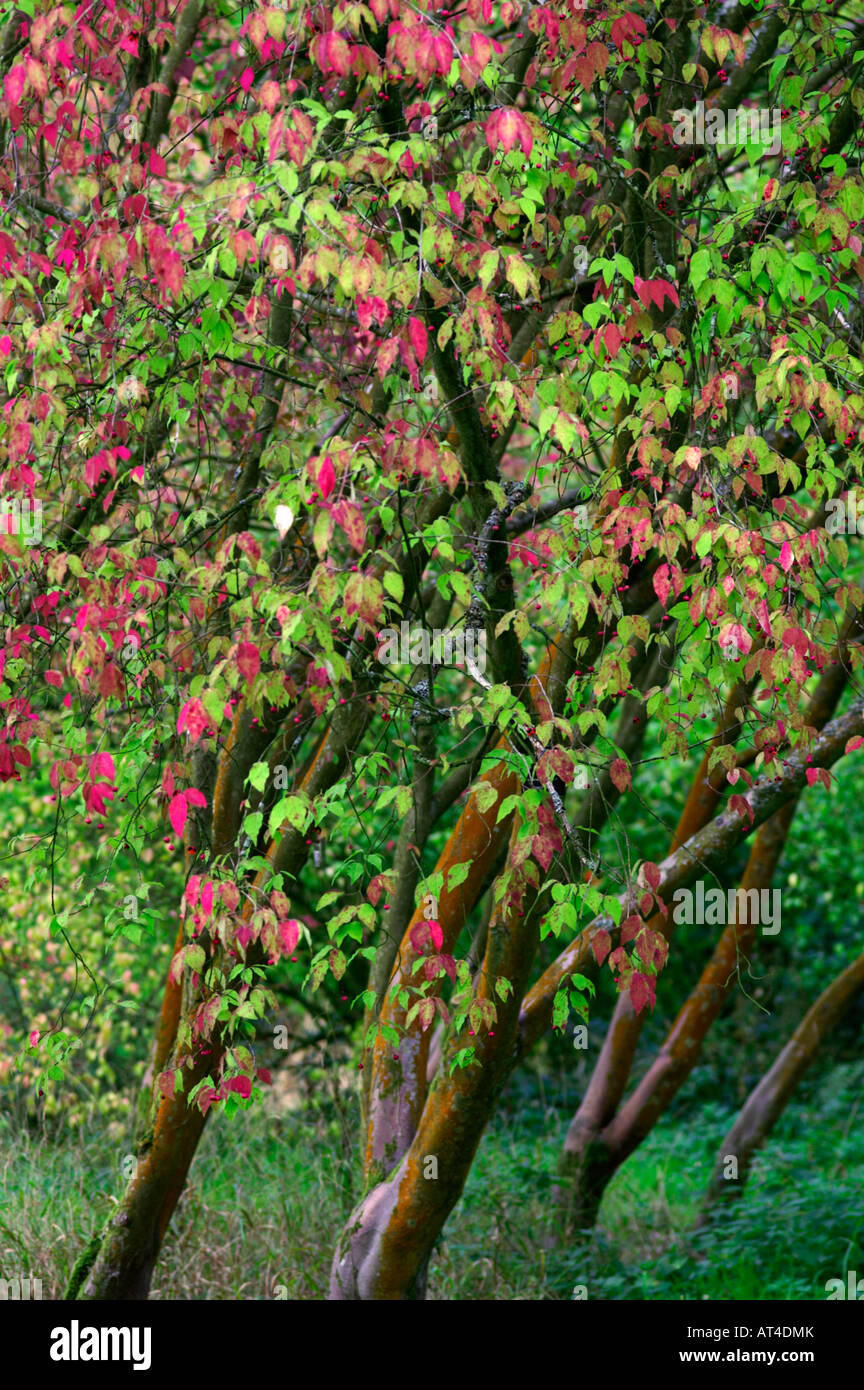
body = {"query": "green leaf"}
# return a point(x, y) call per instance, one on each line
point(394, 584)
point(458, 874)
point(510, 803)
point(487, 267)
point(560, 1008)
point(700, 267)
point(258, 774)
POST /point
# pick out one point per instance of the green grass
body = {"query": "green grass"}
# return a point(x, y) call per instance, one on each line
point(268, 1193)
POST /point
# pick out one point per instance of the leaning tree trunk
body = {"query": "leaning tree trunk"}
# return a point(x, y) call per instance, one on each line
point(602, 1135)
point(769, 1098)
point(586, 1162)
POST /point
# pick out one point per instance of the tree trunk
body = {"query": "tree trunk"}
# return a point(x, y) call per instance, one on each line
point(769, 1098)
point(598, 1123)
point(121, 1267)
point(385, 1242)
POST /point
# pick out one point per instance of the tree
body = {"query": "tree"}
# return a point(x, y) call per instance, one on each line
point(334, 334)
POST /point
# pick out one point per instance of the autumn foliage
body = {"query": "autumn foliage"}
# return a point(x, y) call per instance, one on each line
point(320, 319)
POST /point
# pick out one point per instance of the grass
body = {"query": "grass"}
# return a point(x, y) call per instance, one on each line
point(270, 1189)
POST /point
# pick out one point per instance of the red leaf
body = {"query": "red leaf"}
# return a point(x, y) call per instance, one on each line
point(818, 774)
point(331, 53)
point(350, 518)
point(612, 339)
point(110, 681)
point(630, 928)
point(426, 936)
point(241, 1084)
point(376, 888)
point(620, 774)
point(165, 1083)
point(546, 844)
point(627, 28)
point(230, 895)
point(642, 991)
point(426, 1012)
point(248, 660)
point(418, 336)
point(206, 1097)
point(741, 806)
point(601, 944)
point(651, 875)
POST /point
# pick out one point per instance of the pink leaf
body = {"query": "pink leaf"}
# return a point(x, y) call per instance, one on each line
point(193, 718)
point(289, 931)
point(95, 796)
point(508, 127)
point(326, 478)
point(102, 765)
point(177, 813)
point(14, 86)
point(734, 635)
point(787, 559)
point(660, 580)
